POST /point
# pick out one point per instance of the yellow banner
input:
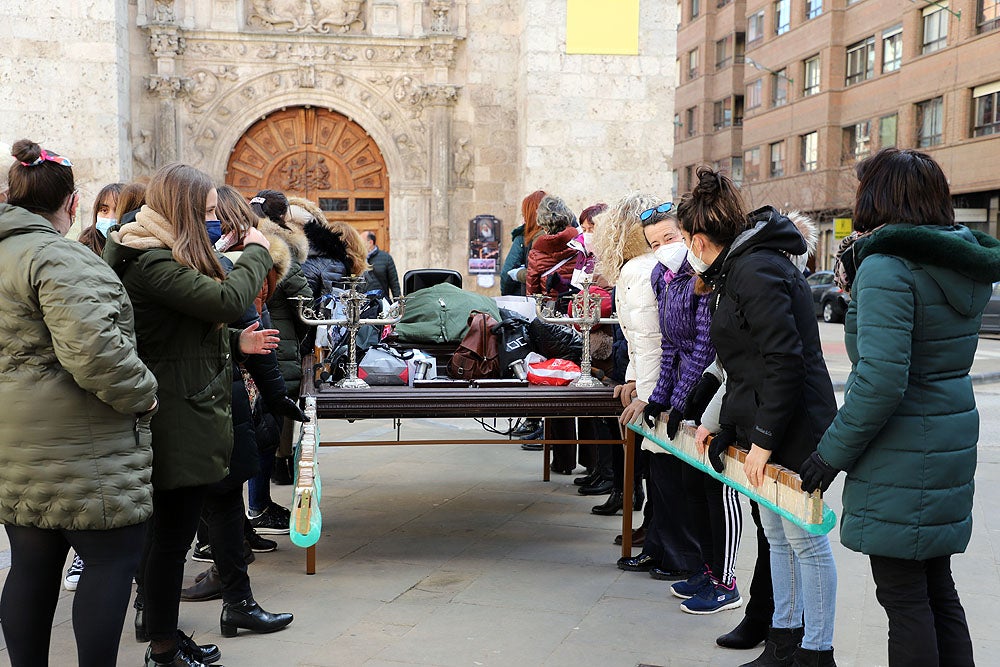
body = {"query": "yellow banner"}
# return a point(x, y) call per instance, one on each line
point(842, 227)
point(606, 27)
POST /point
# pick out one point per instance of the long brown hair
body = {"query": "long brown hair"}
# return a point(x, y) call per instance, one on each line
point(234, 212)
point(90, 236)
point(357, 254)
point(529, 211)
point(131, 198)
point(714, 208)
point(178, 192)
point(35, 183)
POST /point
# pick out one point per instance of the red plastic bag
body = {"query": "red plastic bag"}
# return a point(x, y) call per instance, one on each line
point(553, 372)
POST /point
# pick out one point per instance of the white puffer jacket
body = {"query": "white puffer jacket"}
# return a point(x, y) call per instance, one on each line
point(639, 318)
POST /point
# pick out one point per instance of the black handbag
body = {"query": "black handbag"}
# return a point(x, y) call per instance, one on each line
point(513, 339)
point(554, 341)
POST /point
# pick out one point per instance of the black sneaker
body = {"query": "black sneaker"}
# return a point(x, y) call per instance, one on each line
point(202, 553)
point(272, 521)
point(261, 544)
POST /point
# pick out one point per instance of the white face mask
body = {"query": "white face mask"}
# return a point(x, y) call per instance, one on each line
point(671, 255)
point(104, 224)
point(697, 263)
point(587, 239)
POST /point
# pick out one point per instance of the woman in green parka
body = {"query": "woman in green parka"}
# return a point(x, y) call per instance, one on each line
point(908, 430)
point(182, 300)
point(75, 404)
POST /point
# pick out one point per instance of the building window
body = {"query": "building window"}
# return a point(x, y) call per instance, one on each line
point(810, 151)
point(689, 121)
point(755, 93)
point(722, 115)
point(987, 114)
point(810, 70)
point(695, 8)
point(929, 122)
point(722, 3)
point(777, 167)
point(857, 141)
point(860, 61)
point(677, 127)
point(887, 131)
point(935, 28)
point(740, 48)
point(755, 26)
point(724, 52)
point(988, 15)
point(369, 204)
point(782, 16)
point(751, 164)
point(737, 170)
point(692, 64)
point(779, 88)
point(738, 110)
point(813, 8)
point(689, 177)
point(892, 49)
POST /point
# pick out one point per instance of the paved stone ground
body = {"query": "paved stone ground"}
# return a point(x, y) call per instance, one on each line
point(461, 556)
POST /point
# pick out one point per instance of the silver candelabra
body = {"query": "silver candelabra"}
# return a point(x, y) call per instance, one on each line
point(588, 309)
point(352, 321)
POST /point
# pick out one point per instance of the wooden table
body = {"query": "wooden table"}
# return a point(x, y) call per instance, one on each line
point(484, 402)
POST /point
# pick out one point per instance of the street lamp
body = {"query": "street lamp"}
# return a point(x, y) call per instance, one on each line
point(948, 9)
point(756, 65)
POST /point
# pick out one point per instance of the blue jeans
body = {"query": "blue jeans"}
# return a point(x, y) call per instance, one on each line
point(804, 577)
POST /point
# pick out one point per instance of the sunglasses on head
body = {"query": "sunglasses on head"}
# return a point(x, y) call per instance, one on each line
point(662, 208)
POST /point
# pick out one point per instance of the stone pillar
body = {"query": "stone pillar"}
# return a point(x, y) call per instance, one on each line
point(440, 99)
point(166, 45)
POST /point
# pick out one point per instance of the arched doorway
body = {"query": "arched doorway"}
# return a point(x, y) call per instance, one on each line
point(320, 155)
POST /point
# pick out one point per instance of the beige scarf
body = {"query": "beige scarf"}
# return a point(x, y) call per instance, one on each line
point(150, 230)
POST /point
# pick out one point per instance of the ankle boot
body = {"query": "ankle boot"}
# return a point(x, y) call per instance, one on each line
point(780, 648)
point(611, 506)
point(748, 634)
point(805, 658)
point(249, 616)
point(208, 586)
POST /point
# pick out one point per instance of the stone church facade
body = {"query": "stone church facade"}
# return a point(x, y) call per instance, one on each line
point(406, 117)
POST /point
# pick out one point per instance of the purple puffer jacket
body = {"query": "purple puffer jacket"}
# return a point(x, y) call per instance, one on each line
point(686, 347)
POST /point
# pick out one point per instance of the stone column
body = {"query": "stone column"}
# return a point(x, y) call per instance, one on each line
point(440, 99)
point(166, 45)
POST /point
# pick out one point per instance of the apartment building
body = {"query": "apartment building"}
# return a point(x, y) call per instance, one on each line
point(787, 96)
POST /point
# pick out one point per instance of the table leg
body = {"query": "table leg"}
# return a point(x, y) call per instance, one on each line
point(546, 450)
point(628, 487)
point(311, 559)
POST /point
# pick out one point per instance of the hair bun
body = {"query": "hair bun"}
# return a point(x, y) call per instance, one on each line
point(709, 183)
point(25, 150)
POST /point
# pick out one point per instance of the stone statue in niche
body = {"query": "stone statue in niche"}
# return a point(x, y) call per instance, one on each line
point(306, 15)
point(163, 11)
point(144, 153)
point(463, 163)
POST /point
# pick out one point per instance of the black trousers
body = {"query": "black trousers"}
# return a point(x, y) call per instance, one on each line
point(598, 457)
point(717, 519)
point(176, 513)
point(224, 519)
point(760, 607)
point(31, 591)
point(927, 625)
point(562, 428)
point(670, 537)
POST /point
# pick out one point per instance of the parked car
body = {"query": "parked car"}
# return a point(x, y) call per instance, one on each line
point(991, 316)
point(829, 301)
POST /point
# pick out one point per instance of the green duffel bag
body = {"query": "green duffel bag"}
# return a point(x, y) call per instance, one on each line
point(440, 314)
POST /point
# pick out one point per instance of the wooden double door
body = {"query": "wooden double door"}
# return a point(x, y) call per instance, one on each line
point(319, 155)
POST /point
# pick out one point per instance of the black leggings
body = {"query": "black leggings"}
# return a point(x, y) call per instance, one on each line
point(31, 592)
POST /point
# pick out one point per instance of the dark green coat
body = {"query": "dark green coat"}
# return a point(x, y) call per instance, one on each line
point(179, 314)
point(70, 385)
point(285, 318)
point(908, 430)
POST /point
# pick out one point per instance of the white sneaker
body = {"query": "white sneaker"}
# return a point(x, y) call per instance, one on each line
point(73, 574)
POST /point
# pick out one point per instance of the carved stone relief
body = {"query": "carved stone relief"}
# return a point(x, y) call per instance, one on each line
point(463, 163)
point(205, 85)
point(320, 16)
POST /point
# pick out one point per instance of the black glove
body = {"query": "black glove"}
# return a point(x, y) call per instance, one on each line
point(816, 473)
point(286, 407)
point(700, 397)
point(673, 422)
point(717, 448)
point(651, 412)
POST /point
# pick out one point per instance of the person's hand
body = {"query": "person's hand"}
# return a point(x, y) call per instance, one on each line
point(632, 412)
point(700, 397)
point(254, 235)
point(816, 473)
point(718, 446)
point(754, 465)
point(701, 437)
point(286, 407)
point(651, 412)
point(625, 392)
point(673, 423)
point(254, 340)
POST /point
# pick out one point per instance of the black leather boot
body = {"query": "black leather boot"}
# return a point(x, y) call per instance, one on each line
point(748, 634)
point(597, 488)
point(611, 506)
point(249, 616)
point(806, 658)
point(208, 586)
point(779, 651)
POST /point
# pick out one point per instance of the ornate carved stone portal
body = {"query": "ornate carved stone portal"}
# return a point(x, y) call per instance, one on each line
point(320, 155)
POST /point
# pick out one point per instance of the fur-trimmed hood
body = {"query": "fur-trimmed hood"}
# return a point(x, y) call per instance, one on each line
point(293, 236)
point(280, 251)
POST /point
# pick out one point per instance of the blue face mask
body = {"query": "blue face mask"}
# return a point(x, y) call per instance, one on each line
point(104, 225)
point(214, 228)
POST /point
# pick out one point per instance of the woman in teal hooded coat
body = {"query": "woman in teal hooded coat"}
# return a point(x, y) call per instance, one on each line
point(908, 430)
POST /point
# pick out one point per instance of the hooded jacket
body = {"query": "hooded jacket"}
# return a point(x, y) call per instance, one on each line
point(908, 430)
point(71, 383)
point(778, 392)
